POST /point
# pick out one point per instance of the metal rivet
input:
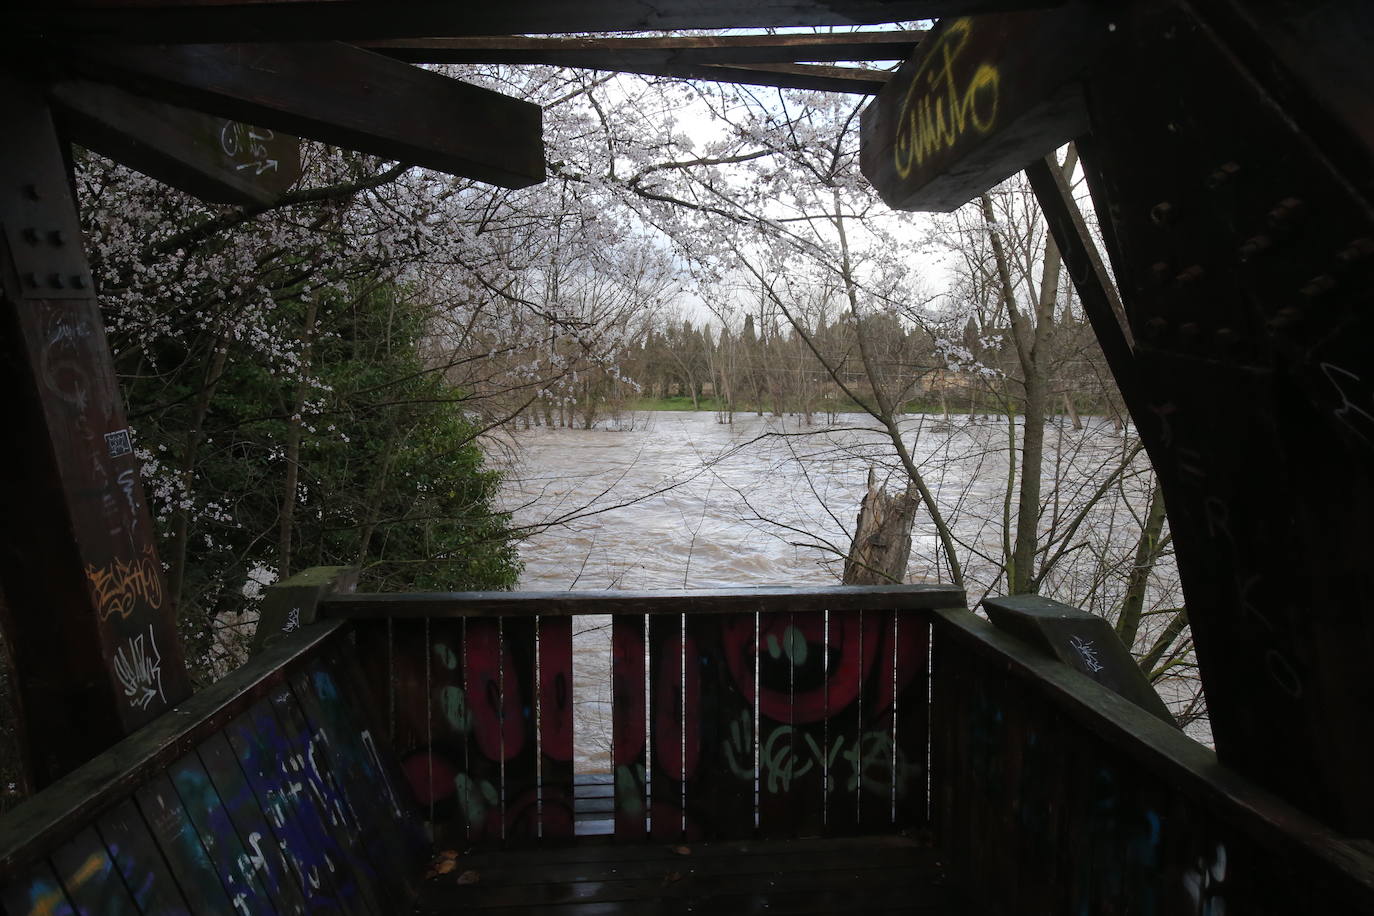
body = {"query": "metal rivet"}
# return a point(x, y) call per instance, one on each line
point(1191, 275)
point(1188, 330)
point(1160, 271)
point(1223, 174)
point(1156, 327)
point(1284, 211)
point(31, 280)
point(1253, 246)
point(1357, 250)
point(55, 281)
point(78, 281)
point(1162, 213)
point(1285, 317)
point(1318, 285)
point(30, 235)
point(1224, 336)
point(57, 237)
point(31, 192)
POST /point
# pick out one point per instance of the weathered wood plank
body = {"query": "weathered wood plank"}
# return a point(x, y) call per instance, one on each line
point(980, 98)
point(804, 648)
point(629, 732)
point(342, 95)
point(135, 853)
point(222, 842)
point(520, 772)
point(1081, 640)
point(851, 662)
point(1114, 831)
point(721, 775)
point(36, 892)
point(90, 878)
point(872, 756)
point(257, 743)
point(386, 831)
point(37, 826)
point(556, 728)
point(912, 739)
point(87, 614)
point(703, 601)
point(436, 764)
point(273, 867)
point(495, 726)
point(777, 739)
point(214, 159)
point(180, 844)
point(615, 53)
point(668, 706)
point(307, 759)
point(294, 20)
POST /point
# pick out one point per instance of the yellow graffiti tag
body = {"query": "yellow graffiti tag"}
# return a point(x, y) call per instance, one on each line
point(118, 586)
point(938, 108)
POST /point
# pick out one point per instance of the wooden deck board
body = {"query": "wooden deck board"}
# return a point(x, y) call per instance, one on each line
point(858, 874)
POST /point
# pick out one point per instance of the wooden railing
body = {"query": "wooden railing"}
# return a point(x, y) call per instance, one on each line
point(265, 792)
point(1052, 794)
point(756, 712)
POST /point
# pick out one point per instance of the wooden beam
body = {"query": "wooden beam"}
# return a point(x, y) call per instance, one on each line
point(341, 95)
point(212, 158)
point(88, 617)
point(980, 99)
point(627, 53)
point(352, 20)
point(781, 76)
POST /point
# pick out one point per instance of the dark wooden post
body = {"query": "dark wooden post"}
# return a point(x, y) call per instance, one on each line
point(91, 627)
point(292, 603)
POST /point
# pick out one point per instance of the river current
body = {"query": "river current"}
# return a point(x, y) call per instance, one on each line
point(670, 500)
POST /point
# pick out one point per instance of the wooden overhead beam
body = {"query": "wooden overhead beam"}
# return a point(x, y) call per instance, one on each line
point(981, 98)
point(780, 76)
point(215, 159)
point(341, 95)
point(354, 20)
point(621, 53)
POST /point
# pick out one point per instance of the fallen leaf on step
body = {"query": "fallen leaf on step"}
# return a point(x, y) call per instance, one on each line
point(469, 877)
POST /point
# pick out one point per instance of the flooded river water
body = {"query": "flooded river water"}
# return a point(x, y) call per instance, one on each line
point(679, 500)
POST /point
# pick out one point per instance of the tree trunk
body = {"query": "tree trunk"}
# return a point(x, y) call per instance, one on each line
point(195, 436)
point(881, 546)
point(1072, 411)
point(1146, 553)
point(293, 446)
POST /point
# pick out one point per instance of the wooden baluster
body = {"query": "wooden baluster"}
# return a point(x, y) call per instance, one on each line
point(803, 646)
point(871, 757)
point(479, 793)
point(629, 734)
point(449, 721)
point(912, 739)
point(776, 733)
point(555, 727)
point(853, 651)
point(520, 792)
point(720, 771)
point(669, 705)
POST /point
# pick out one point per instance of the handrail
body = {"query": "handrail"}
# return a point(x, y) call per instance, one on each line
point(703, 601)
point(1171, 757)
point(40, 824)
